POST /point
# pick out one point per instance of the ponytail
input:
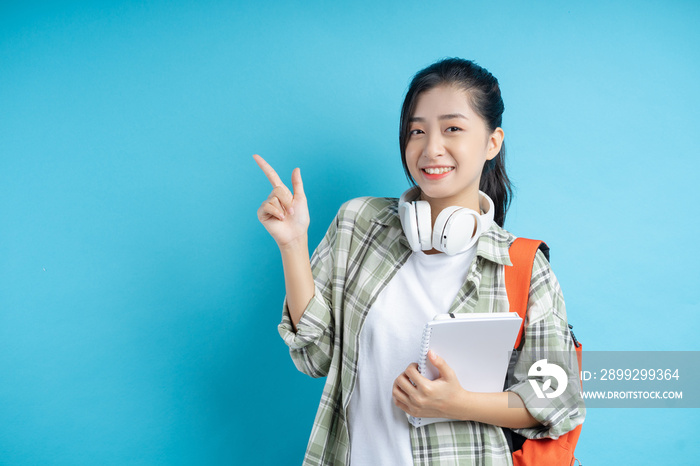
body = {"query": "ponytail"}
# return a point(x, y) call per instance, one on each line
point(496, 184)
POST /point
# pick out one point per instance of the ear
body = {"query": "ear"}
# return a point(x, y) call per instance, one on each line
point(494, 143)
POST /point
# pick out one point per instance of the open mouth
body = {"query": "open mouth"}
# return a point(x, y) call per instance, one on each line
point(438, 170)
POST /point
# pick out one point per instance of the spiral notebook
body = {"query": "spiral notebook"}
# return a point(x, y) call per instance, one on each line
point(477, 346)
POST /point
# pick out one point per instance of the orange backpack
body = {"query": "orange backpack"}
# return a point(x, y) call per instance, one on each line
point(544, 451)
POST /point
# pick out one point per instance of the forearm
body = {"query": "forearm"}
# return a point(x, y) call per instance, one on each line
point(505, 409)
point(298, 279)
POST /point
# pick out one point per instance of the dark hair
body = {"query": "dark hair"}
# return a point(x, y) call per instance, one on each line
point(485, 97)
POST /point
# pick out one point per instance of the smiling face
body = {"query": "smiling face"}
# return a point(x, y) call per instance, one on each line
point(447, 146)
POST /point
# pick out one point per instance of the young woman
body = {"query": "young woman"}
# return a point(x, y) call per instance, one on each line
point(355, 312)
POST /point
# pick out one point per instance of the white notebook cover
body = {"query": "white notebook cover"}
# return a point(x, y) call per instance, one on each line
point(476, 346)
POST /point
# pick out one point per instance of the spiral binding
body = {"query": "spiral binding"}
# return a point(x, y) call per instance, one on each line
point(424, 347)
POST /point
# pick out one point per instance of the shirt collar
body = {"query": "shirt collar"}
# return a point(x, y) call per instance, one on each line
point(493, 243)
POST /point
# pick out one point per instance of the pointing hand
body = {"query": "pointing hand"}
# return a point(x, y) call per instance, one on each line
point(285, 215)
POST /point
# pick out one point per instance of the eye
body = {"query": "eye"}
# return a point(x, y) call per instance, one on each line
point(453, 129)
point(415, 131)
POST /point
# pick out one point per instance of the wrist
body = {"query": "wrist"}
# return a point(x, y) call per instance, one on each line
point(295, 246)
point(464, 402)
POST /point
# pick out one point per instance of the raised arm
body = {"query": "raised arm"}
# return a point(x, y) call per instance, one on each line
point(285, 215)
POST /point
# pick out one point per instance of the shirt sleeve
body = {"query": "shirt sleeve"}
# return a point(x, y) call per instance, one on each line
point(553, 398)
point(311, 346)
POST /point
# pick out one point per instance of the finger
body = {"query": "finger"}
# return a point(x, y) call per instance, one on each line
point(270, 172)
point(270, 210)
point(404, 383)
point(403, 406)
point(399, 396)
point(284, 196)
point(414, 374)
point(275, 201)
point(443, 368)
point(297, 184)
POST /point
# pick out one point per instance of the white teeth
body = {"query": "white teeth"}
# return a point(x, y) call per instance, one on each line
point(438, 171)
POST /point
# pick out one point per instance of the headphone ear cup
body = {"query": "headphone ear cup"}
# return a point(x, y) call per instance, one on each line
point(456, 230)
point(424, 220)
point(407, 215)
point(487, 206)
point(439, 236)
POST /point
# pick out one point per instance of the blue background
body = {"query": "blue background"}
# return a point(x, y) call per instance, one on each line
point(139, 295)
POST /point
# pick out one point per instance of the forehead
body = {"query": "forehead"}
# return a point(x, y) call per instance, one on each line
point(443, 100)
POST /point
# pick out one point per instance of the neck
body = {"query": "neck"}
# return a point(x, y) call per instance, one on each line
point(469, 200)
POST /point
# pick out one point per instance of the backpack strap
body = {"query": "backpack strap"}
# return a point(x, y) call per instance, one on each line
point(522, 254)
point(517, 277)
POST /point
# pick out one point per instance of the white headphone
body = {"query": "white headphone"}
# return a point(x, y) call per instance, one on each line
point(453, 226)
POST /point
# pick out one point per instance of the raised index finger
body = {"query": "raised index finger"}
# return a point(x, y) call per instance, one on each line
point(270, 172)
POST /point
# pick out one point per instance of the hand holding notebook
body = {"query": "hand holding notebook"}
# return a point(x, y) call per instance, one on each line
point(476, 346)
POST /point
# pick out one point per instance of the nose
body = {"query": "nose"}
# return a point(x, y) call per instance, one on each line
point(434, 146)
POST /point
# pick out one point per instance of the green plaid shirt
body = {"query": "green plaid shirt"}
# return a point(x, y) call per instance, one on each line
point(362, 250)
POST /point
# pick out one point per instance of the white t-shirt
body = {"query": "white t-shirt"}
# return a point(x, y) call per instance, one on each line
point(390, 340)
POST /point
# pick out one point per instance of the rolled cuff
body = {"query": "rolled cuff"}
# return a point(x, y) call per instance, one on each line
point(555, 416)
point(313, 323)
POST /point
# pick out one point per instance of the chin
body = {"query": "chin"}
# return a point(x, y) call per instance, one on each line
point(436, 193)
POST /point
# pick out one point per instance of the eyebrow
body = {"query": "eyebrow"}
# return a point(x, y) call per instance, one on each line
point(449, 116)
